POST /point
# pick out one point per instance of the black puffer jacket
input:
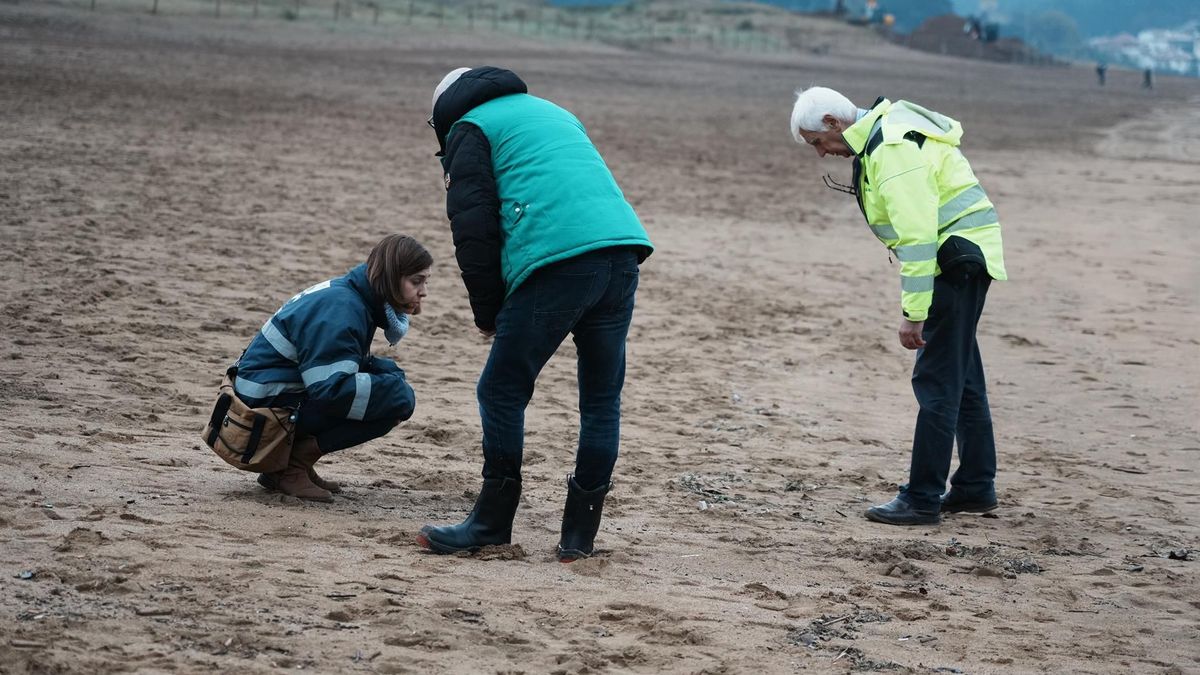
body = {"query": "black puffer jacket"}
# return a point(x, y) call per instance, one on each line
point(472, 202)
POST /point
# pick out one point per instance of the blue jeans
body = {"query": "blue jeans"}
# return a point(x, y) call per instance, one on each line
point(949, 384)
point(591, 297)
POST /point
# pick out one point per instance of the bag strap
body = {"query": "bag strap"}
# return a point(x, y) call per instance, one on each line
point(255, 436)
point(218, 416)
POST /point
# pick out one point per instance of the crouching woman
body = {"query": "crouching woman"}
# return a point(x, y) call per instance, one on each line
point(312, 361)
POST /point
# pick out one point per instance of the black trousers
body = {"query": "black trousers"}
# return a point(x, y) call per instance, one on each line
point(948, 381)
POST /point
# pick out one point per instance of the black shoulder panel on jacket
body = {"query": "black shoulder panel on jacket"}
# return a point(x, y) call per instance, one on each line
point(916, 137)
point(873, 142)
point(473, 206)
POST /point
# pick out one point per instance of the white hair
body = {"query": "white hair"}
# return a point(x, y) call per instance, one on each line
point(450, 78)
point(813, 104)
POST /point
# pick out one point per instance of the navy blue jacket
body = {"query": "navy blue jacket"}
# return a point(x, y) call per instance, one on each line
point(317, 349)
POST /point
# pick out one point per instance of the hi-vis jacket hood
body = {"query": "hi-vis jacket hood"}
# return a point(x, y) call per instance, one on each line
point(903, 117)
point(918, 192)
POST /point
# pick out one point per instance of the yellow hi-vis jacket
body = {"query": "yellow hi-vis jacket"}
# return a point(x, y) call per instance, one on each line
point(916, 190)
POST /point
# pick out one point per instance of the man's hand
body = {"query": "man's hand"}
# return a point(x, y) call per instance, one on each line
point(910, 334)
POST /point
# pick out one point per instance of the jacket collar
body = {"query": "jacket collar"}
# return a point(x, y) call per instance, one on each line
point(356, 278)
point(858, 134)
point(473, 88)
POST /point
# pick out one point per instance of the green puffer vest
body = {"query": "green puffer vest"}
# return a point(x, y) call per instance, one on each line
point(558, 199)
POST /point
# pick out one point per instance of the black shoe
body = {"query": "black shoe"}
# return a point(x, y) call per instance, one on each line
point(581, 520)
point(900, 512)
point(490, 522)
point(954, 503)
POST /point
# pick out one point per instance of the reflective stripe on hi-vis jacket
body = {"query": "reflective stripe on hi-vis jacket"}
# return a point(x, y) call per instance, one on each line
point(916, 189)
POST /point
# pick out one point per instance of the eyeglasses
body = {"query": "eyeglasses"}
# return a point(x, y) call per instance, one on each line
point(430, 123)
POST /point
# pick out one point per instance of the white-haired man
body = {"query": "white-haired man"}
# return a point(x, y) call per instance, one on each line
point(922, 200)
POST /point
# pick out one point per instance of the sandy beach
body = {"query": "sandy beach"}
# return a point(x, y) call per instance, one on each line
point(167, 182)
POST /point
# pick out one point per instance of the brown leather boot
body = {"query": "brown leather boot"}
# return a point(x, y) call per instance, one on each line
point(333, 487)
point(294, 479)
point(311, 451)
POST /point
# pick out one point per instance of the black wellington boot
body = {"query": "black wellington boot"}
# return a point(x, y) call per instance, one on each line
point(581, 520)
point(489, 524)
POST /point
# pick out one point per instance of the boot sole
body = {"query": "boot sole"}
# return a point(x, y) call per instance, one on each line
point(571, 555)
point(272, 484)
point(428, 544)
point(887, 521)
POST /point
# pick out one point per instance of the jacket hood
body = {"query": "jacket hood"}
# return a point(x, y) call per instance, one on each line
point(900, 118)
point(911, 117)
point(473, 88)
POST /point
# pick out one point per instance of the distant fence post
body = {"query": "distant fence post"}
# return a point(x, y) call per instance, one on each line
point(93, 5)
point(470, 17)
point(218, 9)
point(154, 9)
point(337, 9)
point(255, 8)
point(375, 19)
point(411, 4)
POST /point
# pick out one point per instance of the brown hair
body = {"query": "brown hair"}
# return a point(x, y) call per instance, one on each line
point(393, 258)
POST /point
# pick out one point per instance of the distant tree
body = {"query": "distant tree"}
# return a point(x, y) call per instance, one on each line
point(1054, 32)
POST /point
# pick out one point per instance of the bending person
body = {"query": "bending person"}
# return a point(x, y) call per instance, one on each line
point(921, 199)
point(314, 357)
point(548, 247)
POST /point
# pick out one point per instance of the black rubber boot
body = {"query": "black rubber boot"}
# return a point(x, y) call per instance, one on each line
point(489, 524)
point(581, 520)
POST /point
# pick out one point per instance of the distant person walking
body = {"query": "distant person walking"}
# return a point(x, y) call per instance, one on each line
point(548, 247)
point(1101, 72)
point(922, 200)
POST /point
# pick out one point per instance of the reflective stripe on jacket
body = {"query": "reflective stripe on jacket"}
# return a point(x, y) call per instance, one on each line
point(318, 347)
point(916, 189)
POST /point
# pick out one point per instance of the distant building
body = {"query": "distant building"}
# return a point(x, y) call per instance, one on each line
point(1174, 51)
